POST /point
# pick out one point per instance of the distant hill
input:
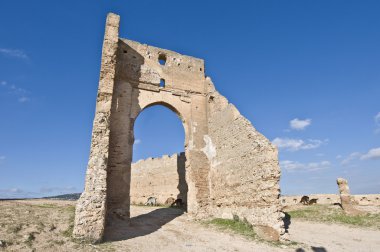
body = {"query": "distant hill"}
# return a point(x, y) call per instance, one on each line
point(69, 196)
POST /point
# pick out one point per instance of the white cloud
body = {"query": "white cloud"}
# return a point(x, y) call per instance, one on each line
point(23, 99)
point(21, 94)
point(350, 158)
point(298, 124)
point(137, 141)
point(377, 121)
point(15, 53)
point(297, 144)
point(297, 166)
point(13, 193)
point(338, 156)
point(15, 190)
point(67, 189)
point(371, 154)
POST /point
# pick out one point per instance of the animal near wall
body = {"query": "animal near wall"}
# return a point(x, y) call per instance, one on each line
point(231, 169)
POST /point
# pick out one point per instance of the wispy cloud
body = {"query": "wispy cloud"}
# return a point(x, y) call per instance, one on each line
point(66, 189)
point(21, 94)
point(371, 154)
point(23, 99)
point(377, 122)
point(298, 124)
point(138, 141)
point(292, 144)
point(15, 193)
point(292, 166)
point(350, 158)
point(14, 53)
point(2, 158)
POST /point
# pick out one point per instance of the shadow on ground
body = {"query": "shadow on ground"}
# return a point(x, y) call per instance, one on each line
point(141, 225)
point(314, 249)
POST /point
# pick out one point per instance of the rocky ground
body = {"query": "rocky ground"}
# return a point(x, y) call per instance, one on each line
point(46, 225)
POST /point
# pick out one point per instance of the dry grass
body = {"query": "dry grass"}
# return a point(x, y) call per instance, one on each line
point(41, 225)
point(333, 214)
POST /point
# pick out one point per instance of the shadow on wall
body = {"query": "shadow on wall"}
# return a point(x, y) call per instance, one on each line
point(182, 184)
point(128, 69)
point(287, 222)
point(142, 225)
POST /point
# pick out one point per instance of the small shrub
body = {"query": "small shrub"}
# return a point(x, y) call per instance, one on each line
point(52, 227)
point(16, 229)
point(29, 239)
point(59, 242)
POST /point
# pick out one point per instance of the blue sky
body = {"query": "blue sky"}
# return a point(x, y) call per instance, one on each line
point(305, 73)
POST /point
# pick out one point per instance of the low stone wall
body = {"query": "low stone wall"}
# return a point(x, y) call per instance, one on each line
point(328, 199)
point(162, 178)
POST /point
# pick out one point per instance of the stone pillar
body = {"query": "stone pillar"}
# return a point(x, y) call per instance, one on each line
point(91, 207)
point(345, 197)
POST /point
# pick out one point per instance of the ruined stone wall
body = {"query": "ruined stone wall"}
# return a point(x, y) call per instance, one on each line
point(161, 177)
point(91, 208)
point(328, 199)
point(137, 87)
point(231, 169)
point(244, 172)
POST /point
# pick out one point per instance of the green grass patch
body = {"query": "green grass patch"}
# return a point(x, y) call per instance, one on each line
point(69, 231)
point(322, 213)
point(47, 206)
point(235, 225)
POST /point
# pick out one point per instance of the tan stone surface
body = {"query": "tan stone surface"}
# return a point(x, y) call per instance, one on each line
point(244, 167)
point(347, 201)
point(231, 169)
point(91, 208)
point(162, 178)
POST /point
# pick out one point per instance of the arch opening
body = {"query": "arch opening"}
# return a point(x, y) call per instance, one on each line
point(158, 162)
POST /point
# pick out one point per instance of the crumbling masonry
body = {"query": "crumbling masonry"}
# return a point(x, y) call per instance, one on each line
point(231, 169)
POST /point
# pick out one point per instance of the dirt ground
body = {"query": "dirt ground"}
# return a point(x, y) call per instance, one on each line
point(45, 225)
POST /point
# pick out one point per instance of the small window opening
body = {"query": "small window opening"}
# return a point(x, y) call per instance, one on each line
point(162, 59)
point(162, 83)
point(200, 69)
point(125, 51)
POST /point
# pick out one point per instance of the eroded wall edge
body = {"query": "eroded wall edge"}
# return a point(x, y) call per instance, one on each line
point(91, 207)
point(244, 173)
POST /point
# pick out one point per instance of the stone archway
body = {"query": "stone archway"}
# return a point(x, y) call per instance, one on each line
point(231, 169)
point(161, 174)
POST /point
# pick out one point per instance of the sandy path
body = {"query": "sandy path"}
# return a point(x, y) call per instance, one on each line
point(162, 229)
point(334, 237)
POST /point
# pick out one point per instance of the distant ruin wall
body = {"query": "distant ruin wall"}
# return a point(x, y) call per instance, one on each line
point(162, 178)
point(328, 199)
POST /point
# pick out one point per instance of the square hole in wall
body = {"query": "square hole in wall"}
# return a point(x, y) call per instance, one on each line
point(162, 83)
point(162, 59)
